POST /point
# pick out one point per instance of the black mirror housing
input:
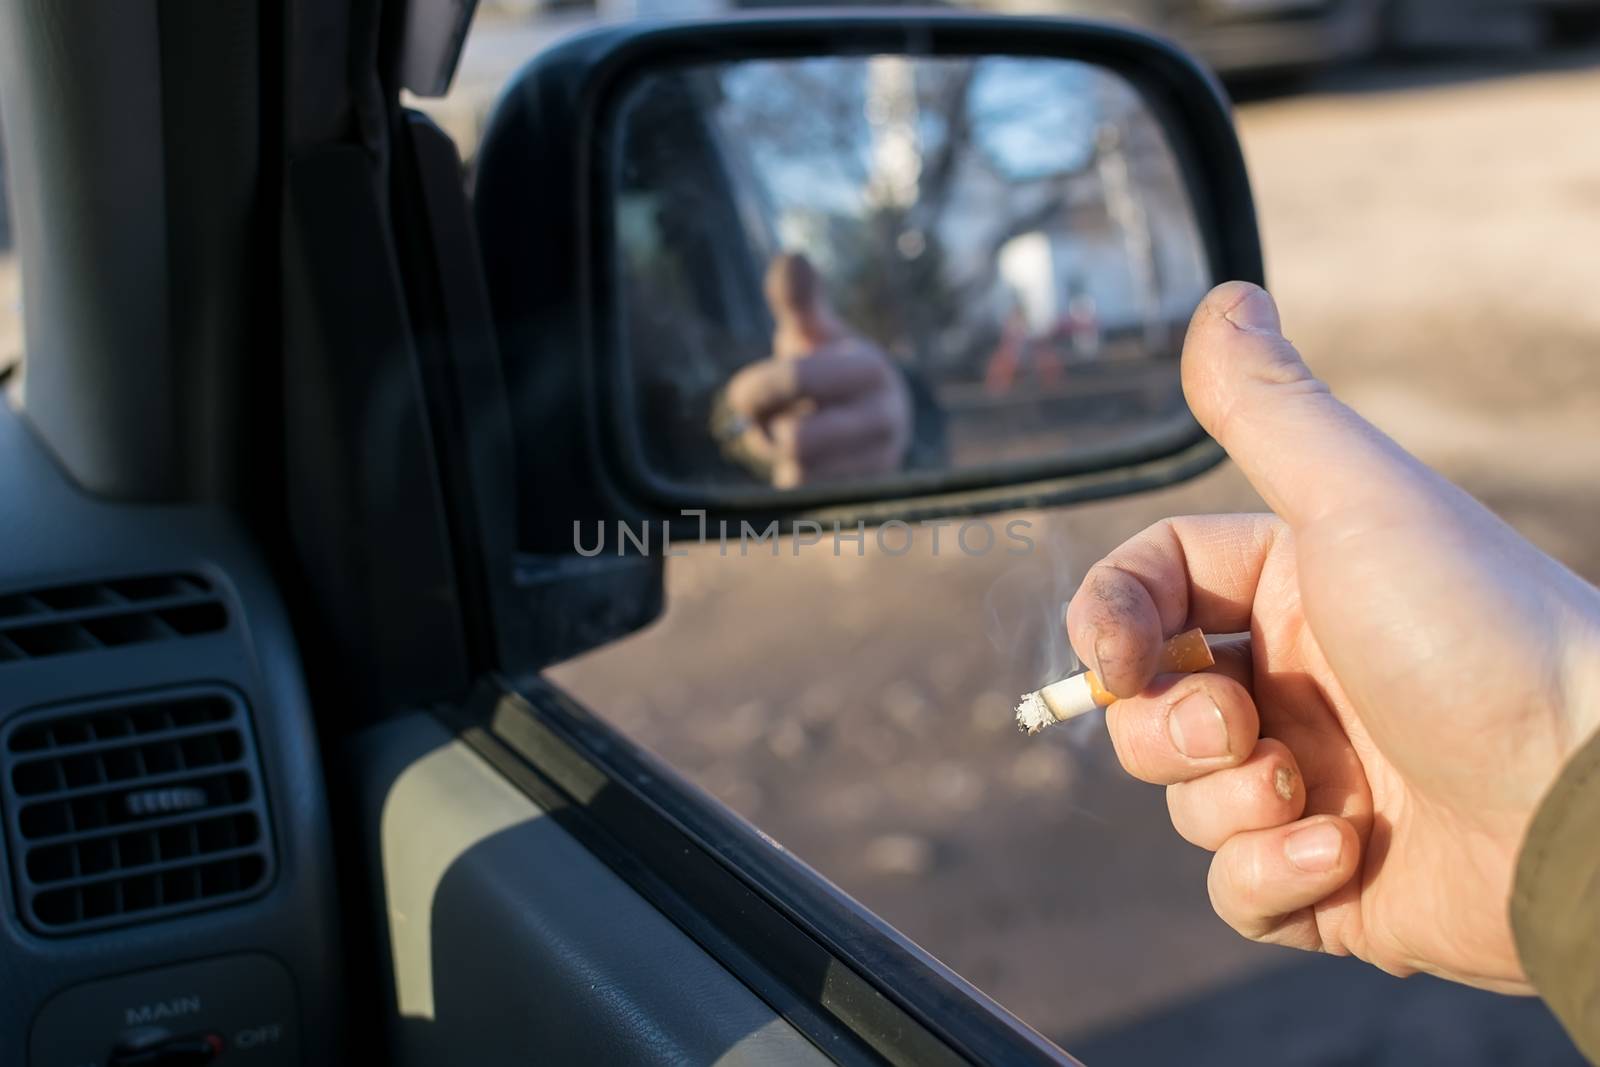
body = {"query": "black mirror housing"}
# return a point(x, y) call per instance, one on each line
point(540, 200)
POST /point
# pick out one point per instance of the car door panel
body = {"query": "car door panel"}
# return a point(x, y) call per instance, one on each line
point(510, 942)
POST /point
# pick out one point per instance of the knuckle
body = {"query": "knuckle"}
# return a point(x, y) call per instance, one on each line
point(1281, 365)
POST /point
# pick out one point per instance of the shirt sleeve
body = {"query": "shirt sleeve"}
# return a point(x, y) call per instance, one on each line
point(1555, 902)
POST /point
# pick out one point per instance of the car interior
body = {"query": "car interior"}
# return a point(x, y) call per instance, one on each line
point(288, 490)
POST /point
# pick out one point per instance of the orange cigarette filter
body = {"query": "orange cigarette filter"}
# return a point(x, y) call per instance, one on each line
point(1082, 693)
point(1187, 653)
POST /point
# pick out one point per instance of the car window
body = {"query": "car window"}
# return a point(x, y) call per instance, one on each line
point(857, 704)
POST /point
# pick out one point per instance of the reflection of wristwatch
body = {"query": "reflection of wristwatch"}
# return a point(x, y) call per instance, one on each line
point(728, 429)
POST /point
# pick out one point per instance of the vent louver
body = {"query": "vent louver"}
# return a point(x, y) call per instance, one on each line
point(91, 615)
point(122, 811)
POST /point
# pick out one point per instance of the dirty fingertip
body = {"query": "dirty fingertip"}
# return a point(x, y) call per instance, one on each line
point(1123, 661)
point(1115, 629)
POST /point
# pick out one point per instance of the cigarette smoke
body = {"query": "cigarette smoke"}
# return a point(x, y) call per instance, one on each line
point(1024, 611)
point(1025, 621)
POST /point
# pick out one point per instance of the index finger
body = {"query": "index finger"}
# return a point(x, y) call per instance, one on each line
point(838, 372)
point(1200, 571)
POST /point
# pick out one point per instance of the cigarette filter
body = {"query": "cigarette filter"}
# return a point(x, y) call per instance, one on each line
point(1081, 693)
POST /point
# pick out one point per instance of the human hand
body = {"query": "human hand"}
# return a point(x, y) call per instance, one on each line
point(827, 405)
point(1365, 764)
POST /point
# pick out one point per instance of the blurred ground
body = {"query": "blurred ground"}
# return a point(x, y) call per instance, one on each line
point(1433, 241)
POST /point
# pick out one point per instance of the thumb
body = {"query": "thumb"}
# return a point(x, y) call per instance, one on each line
point(1304, 451)
point(799, 307)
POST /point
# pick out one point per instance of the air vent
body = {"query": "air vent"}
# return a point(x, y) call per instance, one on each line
point(123, 811)
point(128, 611)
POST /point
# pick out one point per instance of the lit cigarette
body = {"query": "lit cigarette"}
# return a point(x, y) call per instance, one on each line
point(1081, 693)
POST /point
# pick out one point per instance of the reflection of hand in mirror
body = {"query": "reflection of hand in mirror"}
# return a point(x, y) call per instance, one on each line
point(827, 405)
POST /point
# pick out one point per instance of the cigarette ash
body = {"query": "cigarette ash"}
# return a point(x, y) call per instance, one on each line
point(1033, 714)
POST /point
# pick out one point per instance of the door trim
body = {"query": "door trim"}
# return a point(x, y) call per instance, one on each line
point(856, 987)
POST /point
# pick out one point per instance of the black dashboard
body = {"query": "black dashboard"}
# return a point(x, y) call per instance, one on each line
point(166, 866)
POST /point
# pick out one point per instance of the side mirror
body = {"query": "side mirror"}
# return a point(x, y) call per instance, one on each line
point(872, 267)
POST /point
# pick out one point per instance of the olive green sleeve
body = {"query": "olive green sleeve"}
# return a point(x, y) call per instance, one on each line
point(1555, 903)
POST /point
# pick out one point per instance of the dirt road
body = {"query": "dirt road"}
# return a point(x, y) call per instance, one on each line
point(1433, 241)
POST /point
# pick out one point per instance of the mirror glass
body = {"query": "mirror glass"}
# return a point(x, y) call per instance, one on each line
point(875, 268)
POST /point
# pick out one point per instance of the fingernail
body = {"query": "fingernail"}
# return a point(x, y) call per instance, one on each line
point(1257, 313)
point(1101, 645)
point(1197, 727)
point(1315, 849)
